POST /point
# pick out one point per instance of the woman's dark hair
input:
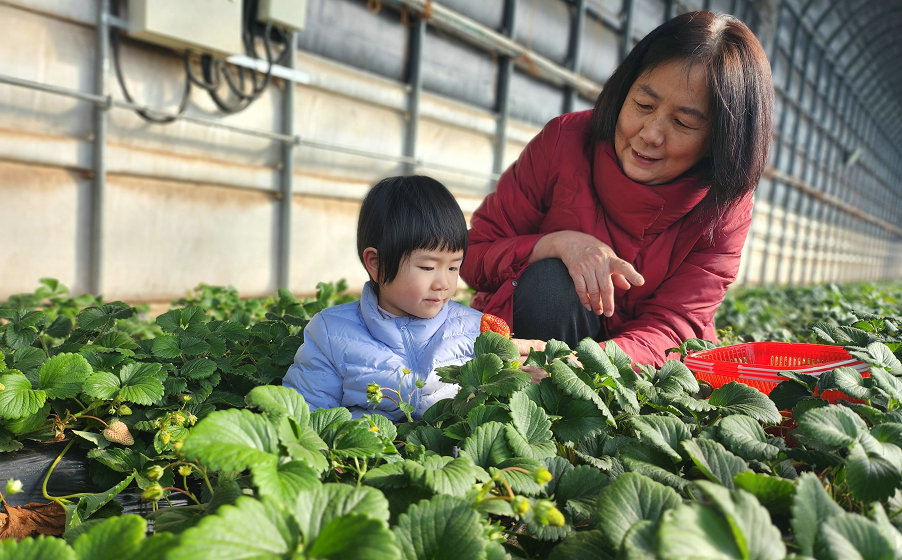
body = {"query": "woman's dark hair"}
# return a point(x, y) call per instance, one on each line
point(402, 214)
point(740, 90)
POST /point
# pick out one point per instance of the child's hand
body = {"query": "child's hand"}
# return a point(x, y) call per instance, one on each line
point(523, 346)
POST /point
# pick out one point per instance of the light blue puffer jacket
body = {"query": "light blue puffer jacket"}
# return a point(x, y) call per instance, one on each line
point(349, 346)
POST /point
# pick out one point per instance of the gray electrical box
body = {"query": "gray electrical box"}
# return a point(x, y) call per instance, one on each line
point(211, 26)
point(291, 14)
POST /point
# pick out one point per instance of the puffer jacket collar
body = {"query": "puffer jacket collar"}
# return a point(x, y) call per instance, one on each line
point(390, 330)
point(641, 209)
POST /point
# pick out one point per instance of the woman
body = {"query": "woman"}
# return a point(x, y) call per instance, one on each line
point(626, 222)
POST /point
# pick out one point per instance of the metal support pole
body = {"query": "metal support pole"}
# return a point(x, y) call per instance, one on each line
point(502, 93)
point(286, 173)
point(791, 245)
point(98, 158)
point(778, 145)
point(577, 26)
point(820, 165)
point(415, 83)
point(626, 40)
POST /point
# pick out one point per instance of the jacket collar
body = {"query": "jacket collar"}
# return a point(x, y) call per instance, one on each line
point(387, 328)
point(642, 209)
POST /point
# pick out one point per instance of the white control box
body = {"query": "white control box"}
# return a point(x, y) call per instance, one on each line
point(290, 14)
point(210, 26)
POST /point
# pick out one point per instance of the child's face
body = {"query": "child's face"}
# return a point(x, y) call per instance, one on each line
point(425, 282)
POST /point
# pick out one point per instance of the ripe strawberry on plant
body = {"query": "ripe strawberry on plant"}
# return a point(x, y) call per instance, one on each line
point(492, 323)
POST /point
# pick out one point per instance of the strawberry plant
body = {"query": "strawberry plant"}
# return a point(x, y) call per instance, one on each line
point(603, 458)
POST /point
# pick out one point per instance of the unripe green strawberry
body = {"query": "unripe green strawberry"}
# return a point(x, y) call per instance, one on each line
point(153, 493)
point(373, 394)
point(520, 505)
point(117, 432)
point(178, 419)
point(165, 437)
point(547, 514)
point(154, 472)
point(125, 410)
point(185, 470)
point(541, 475)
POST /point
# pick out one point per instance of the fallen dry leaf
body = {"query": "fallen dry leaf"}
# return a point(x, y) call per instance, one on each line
point(32, 519)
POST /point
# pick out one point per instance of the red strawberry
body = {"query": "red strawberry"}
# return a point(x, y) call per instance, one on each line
point(495, 324)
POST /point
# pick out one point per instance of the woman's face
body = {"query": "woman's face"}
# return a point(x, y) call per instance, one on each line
point(664, 125)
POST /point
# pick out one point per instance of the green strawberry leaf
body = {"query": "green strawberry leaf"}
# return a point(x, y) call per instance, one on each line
point(17, 398)
point(870, 476)
point(714, 461)
point(570, 383)
point(327, 421)
point(493, 343)
point(232, 439)
point(664, 433)
point(578, 420)
point(744, 436)
point(354, 537)
point(521, 482)
point(141, 383)
point(849, 536)
point(36, 548)
point(628, 499)
point(443, 528)
point(275, 399)
point(833, 425)
point(166, 347)
point(284, 481)
point(443, 475)
point(248, 529)
point(811, 507)
point(694, 531)
point(355, 439)
point(675, 370)
point(577, 491)
point(317, 506)
point(774, 493)
point(112, 539)
point(847, 380)
point(750, 524)
point(880, 355)
point(29, 423)
point(584, 544)
point(487, 446)
point(101, 385)
point(88, 505)
point(738, 398)
point(595, 360)
point(529, 434)
point(63, 375)
point(198, 368)
point(888, 382)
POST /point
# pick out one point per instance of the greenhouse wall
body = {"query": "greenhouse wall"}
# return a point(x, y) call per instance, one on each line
point(112, 202)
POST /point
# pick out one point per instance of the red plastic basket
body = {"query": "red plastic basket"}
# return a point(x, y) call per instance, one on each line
point(758, 363)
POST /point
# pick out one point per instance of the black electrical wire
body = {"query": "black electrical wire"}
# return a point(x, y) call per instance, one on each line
point(144, 114)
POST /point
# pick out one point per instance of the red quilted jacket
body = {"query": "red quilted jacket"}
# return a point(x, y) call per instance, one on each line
point(656, 228)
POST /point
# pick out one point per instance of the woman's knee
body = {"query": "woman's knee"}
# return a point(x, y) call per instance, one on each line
point(546, 305)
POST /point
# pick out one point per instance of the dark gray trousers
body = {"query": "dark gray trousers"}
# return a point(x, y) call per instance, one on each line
point(546, 306)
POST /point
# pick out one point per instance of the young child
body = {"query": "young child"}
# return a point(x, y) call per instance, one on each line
point(411, 238)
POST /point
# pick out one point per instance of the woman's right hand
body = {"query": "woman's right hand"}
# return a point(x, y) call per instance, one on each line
point(593, 265)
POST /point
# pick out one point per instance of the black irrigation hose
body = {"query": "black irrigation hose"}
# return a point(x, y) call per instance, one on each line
point(213, 72)
point(146, 115)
